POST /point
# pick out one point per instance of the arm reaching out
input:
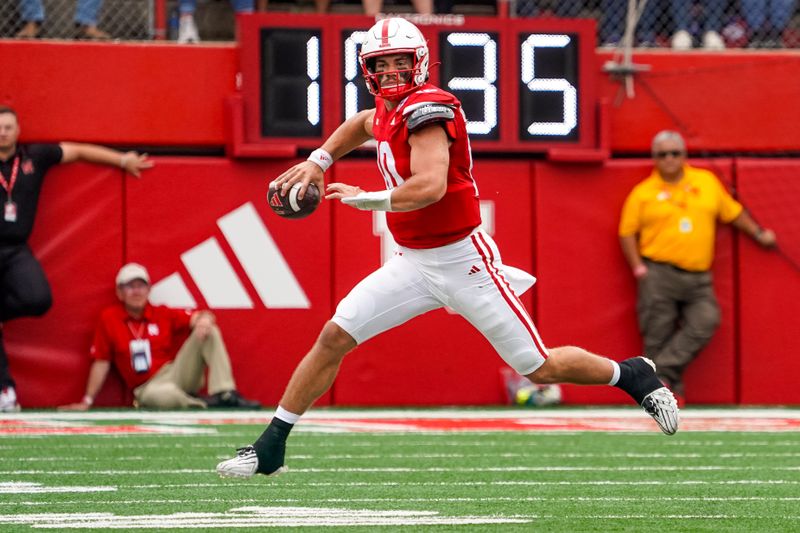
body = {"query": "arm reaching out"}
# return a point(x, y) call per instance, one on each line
point(353, 132)
point(97, 376)
point(131, 162)
point(430, 159)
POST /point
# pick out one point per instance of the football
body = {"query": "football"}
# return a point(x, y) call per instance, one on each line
point(290, 206)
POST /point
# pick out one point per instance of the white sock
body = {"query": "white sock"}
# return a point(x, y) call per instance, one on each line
point(615, 377)
point(291, 418)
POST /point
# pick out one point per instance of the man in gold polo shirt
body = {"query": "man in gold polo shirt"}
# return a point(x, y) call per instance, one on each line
point(667, 234)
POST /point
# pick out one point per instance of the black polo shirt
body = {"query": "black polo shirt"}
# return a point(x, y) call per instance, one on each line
point(34, 162)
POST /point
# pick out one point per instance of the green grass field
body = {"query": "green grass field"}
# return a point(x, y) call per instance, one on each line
point(128, 471)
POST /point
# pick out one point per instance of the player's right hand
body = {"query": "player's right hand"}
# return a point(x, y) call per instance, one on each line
point(304, 172)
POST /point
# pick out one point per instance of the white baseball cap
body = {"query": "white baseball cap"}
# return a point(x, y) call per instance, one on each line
point(130, 272)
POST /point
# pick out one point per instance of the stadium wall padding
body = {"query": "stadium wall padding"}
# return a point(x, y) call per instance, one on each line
point(769, 284)
point(173, 95)
point(437, 358)
point(121, 94)
point(180, 207)
point(587, 295)
point(78, 238)
point(556, 221)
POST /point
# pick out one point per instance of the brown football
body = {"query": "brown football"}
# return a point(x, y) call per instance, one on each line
point(290, 206)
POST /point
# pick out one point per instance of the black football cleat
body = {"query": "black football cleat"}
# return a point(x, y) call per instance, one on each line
point(648, 391)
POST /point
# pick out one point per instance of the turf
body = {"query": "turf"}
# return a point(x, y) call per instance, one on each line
point(551, 481)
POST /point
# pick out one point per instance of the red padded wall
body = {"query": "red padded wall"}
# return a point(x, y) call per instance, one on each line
point(167, 94)
point(561, 226)
point(176, 206)
point(78, 240)
point(148, 94)
point(586, 294)
point(437, 358)
point(769, 284)
point(714, 99)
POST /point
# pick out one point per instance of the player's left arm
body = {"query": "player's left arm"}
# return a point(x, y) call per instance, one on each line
point(430, 159)
point(132, 162)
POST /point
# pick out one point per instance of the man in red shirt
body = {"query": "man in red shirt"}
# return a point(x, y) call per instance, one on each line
point(144, 343)
point(443, 257)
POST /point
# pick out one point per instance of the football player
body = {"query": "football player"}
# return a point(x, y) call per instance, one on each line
point(443, 257)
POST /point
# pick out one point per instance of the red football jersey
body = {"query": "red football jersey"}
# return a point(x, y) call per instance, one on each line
point(458, 212)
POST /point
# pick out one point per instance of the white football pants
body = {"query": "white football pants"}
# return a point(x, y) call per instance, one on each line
point(467, 276)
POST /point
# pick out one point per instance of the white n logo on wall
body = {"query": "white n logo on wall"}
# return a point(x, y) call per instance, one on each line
point(216, 279)
point(381, 229)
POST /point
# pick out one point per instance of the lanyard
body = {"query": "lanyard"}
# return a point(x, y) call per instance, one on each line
point(9, 185)
point(137, 334)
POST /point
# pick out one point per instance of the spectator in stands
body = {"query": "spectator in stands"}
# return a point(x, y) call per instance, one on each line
point(443, 6)
point(374, 7)
point(141, 340)
point(85, 19)
point(321, 5)
point(24, 290)
point(667, 232)
point(538, 8)
point(612, 26)
point(710, 12)
point(766, 21)
point(187, 27)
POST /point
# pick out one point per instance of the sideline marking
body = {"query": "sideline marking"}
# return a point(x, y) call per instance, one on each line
point(552, 421)
point(482, 499)
point(23, 487)
point(22, 427)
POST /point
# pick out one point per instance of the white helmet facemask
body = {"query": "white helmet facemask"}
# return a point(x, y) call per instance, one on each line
point(390, 37)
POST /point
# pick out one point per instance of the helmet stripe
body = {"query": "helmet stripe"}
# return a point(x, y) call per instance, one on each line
point(385, 33)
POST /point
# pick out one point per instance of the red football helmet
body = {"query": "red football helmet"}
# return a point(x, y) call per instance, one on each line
point(394, 36)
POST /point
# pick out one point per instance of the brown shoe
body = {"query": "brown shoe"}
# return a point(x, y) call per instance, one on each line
point(29, 31)
point(93, 32)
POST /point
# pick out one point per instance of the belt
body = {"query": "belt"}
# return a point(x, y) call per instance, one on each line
point(679, 269)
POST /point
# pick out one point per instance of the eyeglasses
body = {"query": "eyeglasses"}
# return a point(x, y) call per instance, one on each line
point(665, 153)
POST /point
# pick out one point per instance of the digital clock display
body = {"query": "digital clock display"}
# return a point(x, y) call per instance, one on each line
point(519, 80)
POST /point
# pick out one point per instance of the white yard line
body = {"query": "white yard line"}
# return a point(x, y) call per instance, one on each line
point(253, 516)
point(610, 482)
point(487, 499)
point(256, 516)
point(321, 457)
point(411, 470)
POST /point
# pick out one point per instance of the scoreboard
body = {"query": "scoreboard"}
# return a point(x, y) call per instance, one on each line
point(526, 85)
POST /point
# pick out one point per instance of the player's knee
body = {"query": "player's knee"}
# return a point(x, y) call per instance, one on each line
point(334, 339)
point(545, 374)
point(559, 363)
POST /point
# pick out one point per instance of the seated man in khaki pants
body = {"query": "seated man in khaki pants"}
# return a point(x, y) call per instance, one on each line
point(141, 340)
